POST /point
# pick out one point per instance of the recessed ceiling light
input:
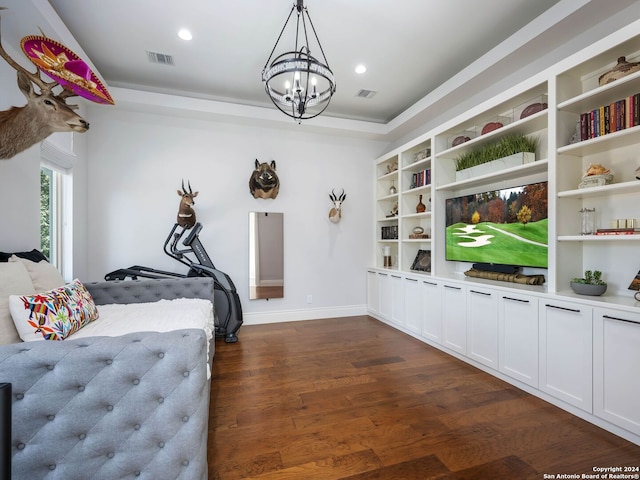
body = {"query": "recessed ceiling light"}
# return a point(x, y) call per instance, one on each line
point(360, 69)
point(185, 34)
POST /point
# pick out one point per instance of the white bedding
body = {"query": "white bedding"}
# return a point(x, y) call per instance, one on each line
point(160, 316)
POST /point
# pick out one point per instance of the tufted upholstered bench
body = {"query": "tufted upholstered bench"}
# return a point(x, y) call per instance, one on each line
point(134, 406)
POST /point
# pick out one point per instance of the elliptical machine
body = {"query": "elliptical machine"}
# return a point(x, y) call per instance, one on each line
point(227, 302)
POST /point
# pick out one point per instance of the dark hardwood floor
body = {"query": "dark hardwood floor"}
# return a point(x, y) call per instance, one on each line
point(352, 398)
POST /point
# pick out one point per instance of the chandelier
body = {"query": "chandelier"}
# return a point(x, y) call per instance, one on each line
point(297, 83)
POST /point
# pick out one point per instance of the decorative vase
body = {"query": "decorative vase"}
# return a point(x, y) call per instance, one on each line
point(392, 189)
point(421, 207)
point(622, 69)
point(588, 289)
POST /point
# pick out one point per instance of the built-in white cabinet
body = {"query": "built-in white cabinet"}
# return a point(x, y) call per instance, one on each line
point(482, 326)
point(397, 299)
point(412, 305)
point(454, 317)
point(518, 337)
point(386, 297)
point(616, 348)
point(373, 292)
point(569, 352)
point(566, 337)
point(579, 352)
point(431, 292)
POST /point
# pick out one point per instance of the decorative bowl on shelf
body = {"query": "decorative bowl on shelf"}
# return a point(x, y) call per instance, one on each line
point(460, 139)
point(596, 180)
point(588, 289)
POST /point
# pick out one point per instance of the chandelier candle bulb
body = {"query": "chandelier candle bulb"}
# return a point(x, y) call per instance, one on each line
point(287, 91)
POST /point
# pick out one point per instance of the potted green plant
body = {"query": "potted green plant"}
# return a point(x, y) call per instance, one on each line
point(509, 151)
point(590, 284)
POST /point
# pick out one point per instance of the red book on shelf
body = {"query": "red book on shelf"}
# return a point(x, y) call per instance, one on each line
point(613, 117)
point(617, 231)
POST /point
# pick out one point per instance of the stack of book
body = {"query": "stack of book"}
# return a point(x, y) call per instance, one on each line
point(389, 232)
point(617, 231)
point(618, 115)
point(421, 179)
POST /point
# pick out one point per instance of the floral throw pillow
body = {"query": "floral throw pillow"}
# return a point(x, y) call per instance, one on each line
point(53, 315)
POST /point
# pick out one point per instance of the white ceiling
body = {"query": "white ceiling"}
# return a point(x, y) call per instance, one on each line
point(410, 47)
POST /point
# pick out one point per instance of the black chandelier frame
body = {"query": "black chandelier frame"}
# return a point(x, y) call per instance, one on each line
point(301, 99)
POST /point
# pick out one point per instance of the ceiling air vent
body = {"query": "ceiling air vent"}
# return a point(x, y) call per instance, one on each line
point(366, 93)
point(161, 58)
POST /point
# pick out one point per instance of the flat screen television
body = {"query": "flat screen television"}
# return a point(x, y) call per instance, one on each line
point(500, 227)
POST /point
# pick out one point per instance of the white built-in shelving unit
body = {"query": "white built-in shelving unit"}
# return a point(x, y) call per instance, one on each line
point(572, 350)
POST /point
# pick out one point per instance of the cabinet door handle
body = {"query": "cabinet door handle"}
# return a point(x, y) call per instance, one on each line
point(452, 287)
point(480, 293)
point(430, 283)
point(608, 317)
point(516, 299)
point(382, 274)
point(575, 310)
point(395, 276)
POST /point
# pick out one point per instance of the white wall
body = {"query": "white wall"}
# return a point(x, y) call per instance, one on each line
point(19, 179)
point(20, 184)
point(138, 160)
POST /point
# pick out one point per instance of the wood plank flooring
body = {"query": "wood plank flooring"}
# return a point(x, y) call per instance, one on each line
point(352, 398)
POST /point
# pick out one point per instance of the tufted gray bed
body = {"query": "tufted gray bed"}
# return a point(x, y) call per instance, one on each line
point(133, 406)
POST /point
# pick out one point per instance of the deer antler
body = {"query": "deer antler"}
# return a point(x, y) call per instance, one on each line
point(66, 94)
point(33, 77)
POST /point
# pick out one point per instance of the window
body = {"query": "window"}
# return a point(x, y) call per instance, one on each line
point(50, 214)
point(56, 201)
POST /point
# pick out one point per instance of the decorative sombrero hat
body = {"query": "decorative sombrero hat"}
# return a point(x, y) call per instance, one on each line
point(64, 66)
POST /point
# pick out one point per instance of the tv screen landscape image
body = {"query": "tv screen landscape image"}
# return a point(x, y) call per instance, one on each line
point(505, 227)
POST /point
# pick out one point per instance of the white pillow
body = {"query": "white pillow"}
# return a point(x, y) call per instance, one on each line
point(14, 280)
point(53, 315)
point(43, 275)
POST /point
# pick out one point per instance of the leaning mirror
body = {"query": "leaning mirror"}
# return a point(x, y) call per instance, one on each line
point(266, 254)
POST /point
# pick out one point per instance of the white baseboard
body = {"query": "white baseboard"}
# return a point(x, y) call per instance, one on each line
point(261, 318)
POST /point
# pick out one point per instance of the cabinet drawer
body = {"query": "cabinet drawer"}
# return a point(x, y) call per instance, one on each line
point(566, 352)
point(616, 360)
point(518, 337)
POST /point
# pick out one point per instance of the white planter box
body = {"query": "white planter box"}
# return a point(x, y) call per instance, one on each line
point(496, 165)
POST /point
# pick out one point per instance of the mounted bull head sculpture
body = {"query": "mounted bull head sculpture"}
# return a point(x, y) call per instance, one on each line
point(186, 213)
point(264, 181)
point(44, 113)
point(335, 214)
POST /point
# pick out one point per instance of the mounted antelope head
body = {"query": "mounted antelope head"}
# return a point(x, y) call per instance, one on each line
point(335, 214)
point(44, 113)
point(186, 213)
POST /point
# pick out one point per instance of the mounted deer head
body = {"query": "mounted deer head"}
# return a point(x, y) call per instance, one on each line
point(44, 113)
point(335, 214)
point(186, 213)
